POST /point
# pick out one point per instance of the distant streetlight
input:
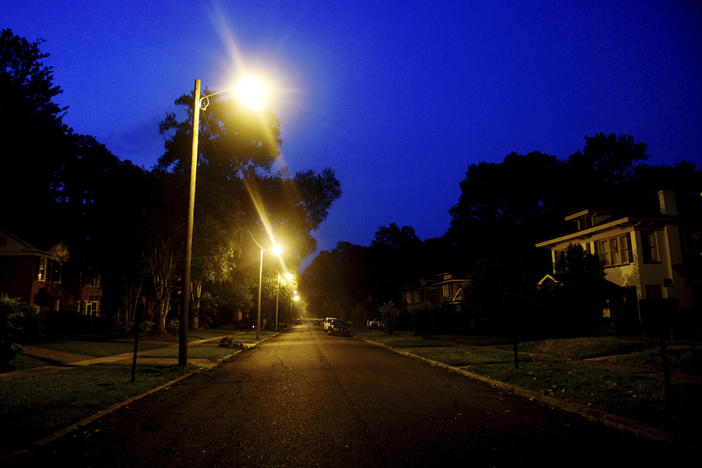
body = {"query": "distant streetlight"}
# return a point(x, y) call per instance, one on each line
point(294, 298)
point(276, 250)
point(252, 93)
point(288, 276)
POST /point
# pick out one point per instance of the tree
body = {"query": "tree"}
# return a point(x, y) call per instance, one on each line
point(36, 142)
point(582, 292)
point(393, 261)
point(18, 322)
point(336, 283)
point(240, 196)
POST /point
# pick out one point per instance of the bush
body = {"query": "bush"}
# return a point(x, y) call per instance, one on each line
point(173, 326)
point(147, 326)
point(18, 322)
point(391, 316)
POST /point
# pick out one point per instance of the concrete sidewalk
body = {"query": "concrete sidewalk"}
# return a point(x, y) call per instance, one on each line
point(66, 361)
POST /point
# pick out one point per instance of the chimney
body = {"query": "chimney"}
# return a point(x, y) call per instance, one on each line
point(666, 200)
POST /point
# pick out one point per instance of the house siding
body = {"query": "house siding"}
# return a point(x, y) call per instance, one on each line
point(638, 273)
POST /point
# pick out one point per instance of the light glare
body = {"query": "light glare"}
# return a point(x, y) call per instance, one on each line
point(252, 92)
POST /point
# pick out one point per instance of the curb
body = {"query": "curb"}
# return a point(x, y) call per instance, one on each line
point(84, 422)
point(614, 421)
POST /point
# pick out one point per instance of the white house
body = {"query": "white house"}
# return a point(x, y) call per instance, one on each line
point(640, 253)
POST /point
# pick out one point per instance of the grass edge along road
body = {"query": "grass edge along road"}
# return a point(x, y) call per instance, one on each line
point(35, 406)
point(613, 375)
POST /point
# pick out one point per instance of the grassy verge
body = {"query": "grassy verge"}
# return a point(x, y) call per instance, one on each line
point(22, 361)
point(195, 352)
point(556, 370)
point(682, 358)
point(585, 347)
point(401, 339)
point(97, 348)
point(33, 407)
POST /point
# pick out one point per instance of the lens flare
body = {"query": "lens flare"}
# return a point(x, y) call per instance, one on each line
point(252, 92)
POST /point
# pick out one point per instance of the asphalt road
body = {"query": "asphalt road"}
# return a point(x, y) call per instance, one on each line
point(307, 399)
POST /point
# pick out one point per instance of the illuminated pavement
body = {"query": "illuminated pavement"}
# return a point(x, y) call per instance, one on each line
point(307, 399)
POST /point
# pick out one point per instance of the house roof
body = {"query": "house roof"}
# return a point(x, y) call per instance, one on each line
point(591, 211)
point(16, 246)
point(627, 220)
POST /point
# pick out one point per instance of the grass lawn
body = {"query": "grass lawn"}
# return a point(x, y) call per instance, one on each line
point(634, 394)
point(22, 361)
point(401, 339)
point(198, 352)
point(146, 342)
point(34, 407)
point(249, 336)
point(585, 347)
point(97, 348)
point(681, 358)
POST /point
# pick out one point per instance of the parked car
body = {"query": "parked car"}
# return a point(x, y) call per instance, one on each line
point(326, 322)
point(338, 327)
point(374, 323)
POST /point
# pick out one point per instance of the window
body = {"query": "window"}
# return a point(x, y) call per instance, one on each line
point(90, 278)
point(650, 247)
point(614, 251)
point(41, 268)
point(56, 271)
point(92, 308)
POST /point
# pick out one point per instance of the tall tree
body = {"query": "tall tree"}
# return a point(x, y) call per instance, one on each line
point(36, 142)
point(336, 283)
point(239, 195)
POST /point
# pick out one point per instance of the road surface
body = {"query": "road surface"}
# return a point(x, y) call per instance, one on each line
point(308, 399)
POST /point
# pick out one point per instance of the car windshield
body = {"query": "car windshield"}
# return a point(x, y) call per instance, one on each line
point(339, 323)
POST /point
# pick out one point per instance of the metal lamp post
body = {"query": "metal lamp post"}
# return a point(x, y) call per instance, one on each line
point(252, 94)
point(277, 250)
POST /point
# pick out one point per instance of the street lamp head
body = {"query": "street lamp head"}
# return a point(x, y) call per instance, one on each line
point(252, 92)
point(288, 275)
point(277, 249)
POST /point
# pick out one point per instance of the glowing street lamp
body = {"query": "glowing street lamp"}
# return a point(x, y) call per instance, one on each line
point(276, 250)
point(252, 93)
point(288, 276)
point(294, 298)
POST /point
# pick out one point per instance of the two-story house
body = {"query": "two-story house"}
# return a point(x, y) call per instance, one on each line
point(40, 277)
point(641, 253)
point(446, 289)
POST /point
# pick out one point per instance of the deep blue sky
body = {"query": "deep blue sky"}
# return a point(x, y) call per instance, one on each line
point(398, 97)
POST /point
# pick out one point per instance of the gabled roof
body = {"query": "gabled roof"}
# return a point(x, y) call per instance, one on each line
point(627, 220)
point(13, 245)
point(591, 211)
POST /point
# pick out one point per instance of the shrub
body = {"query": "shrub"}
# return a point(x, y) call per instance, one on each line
point(147, 326)
point(173, 326)
point(18, 322)
point(390, 316)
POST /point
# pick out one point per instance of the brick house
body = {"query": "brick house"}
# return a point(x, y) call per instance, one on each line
point(41, 278)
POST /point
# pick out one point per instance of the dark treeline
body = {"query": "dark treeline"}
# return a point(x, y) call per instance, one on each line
point(505, 209)
point(129, 223)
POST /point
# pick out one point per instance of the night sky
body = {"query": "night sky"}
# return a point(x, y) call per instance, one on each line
point(398, 97)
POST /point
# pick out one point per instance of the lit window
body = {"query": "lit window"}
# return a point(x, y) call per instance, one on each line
point(614, 251)
point(41, 268)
